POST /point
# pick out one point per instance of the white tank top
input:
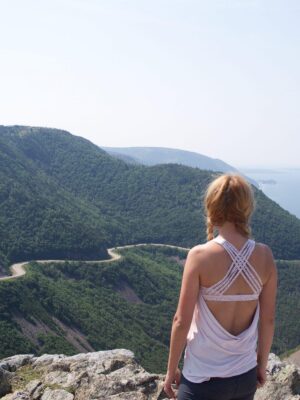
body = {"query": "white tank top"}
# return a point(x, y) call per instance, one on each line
point(211, 351)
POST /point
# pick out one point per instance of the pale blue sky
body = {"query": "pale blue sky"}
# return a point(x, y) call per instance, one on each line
point(218, 77)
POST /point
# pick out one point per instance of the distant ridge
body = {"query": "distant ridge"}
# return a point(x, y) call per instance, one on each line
point(166, 155)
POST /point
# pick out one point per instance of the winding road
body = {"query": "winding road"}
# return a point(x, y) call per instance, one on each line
point(18, 269)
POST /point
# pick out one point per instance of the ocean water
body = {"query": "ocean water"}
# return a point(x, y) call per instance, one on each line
point(281, 185)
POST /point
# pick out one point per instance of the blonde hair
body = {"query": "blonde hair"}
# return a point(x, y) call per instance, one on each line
point(229, 197)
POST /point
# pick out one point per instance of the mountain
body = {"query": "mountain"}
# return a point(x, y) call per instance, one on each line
point(123, 157)
point(165, 155)
point(38, 217)
point(64, 197)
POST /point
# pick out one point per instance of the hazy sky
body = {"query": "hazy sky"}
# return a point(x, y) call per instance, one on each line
point(218, 77)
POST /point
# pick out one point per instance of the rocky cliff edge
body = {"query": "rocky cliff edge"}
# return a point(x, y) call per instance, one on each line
point(113, 374)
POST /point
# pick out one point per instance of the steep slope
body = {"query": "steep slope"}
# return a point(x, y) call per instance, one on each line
point(161, 203)
point(38, 218)
point(130, 302)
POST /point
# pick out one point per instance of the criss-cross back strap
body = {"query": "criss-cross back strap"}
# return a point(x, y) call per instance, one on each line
point(240, 265)
point(241, 262)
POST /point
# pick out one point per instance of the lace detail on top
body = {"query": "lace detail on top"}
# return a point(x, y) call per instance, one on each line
point(240, 265)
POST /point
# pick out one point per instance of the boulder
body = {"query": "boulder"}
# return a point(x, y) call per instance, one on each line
point(111, 374)
point(5, 386)
point(283, 381)
point(57, 394)
point(12, 363)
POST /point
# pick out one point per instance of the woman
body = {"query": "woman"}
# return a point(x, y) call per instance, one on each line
point(226, 309)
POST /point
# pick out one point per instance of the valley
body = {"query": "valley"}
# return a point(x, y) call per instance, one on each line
point(110, 238)
point(127, 301)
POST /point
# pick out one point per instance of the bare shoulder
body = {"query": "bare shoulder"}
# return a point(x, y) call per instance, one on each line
point(200, 248)
point(200, 252)
point(269, 261)
point(266, 250)
point(196, 251)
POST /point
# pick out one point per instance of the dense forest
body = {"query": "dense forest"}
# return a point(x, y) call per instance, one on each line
point(128, 303)
point(63, 197)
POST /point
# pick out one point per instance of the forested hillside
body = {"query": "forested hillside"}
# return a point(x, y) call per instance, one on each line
point(129, 303)
point(63, 197)
point(38, 218)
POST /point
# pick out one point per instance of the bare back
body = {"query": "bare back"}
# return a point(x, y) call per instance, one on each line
point(233, 316)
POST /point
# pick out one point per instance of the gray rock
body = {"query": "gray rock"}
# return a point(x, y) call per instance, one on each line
point(91, 376)
point(57, 394)
point(283, 381)
point(35, 389)
point(14, 362)
point(115, 374)
point(5, 386)
point(274, 364)
point(19, 395)
point(7, 397)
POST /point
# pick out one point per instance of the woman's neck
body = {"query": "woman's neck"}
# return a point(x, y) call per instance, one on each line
point(229, 232)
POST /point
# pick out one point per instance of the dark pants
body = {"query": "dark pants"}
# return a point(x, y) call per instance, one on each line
point(238, 387)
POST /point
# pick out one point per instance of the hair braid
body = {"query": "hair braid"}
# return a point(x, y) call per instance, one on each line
point(209, 230)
